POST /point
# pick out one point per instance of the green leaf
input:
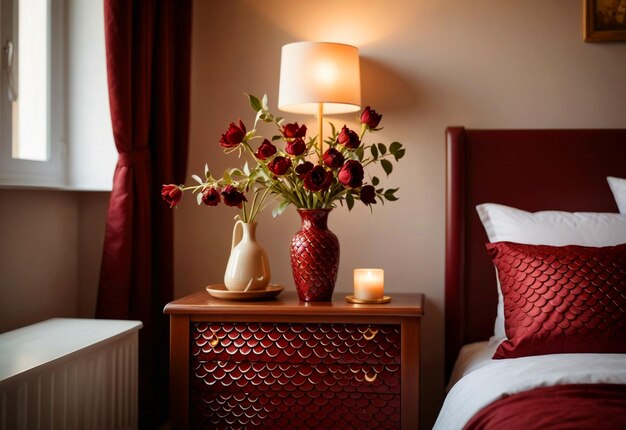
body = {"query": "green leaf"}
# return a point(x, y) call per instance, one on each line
point(374, 152)
point(394, 147)
point(350, 201)
point(382, 148)
point(255, 103)
point(276, 137)
point(227, 177)
point(399, 154)
point(390, 194)
point(359, 153)
point(259, 115)
point(387, 166)
point(375, 181)
point(280, 208)
point(333, 130)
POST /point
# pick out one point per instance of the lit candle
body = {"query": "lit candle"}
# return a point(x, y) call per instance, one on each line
point(369, 284)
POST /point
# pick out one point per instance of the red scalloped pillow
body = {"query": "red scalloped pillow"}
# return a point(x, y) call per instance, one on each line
point(561, 299)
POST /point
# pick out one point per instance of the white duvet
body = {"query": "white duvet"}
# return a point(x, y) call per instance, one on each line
point(483, 380)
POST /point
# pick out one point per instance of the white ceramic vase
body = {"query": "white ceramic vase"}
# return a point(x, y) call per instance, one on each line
point(248, 267)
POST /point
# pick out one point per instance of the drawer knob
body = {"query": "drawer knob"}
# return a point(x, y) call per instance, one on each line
point(214, 340)
point(370, 333)
point(369, 378)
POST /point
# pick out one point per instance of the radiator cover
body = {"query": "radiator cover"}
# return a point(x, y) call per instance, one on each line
point(70, 374)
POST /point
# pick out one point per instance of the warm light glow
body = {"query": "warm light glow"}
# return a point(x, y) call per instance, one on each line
point(369, 284)
point(357, 23)
point(326, 73)
point(319, 72)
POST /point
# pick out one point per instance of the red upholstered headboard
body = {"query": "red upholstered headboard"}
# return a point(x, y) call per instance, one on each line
point(528, 169)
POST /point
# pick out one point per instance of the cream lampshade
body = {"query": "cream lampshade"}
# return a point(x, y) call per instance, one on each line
point(319, 78)
point(314, 73)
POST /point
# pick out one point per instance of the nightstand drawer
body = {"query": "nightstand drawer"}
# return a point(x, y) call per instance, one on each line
point(297, 411)
point(296, 343)
point(286, 364)
point(258, 378)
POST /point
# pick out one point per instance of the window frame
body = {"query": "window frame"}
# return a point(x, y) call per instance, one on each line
point(18, 172)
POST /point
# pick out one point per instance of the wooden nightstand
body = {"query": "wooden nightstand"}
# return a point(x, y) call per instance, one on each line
point(290, 364)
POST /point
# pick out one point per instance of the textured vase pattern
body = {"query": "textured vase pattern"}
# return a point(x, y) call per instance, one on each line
point(314, 256)
point(295, 376)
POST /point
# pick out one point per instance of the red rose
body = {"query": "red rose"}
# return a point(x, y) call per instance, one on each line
point(234, 135)
point(318, 179)
point(370, 118)
point(233, 197)
point(333, 158)
point(171, 194)
point(294, 130)
point(295, 147)
point(265, 151)
point(368, 195)
point(351, 174)
point(304, 168)
point(211, 196)
point(279, 165)
point(348, 138)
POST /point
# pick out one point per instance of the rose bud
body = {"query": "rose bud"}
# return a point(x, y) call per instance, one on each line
point(294, 130)
point(279, 165)
point(368, 195)
point(233, 197)
point(211, 196)
point(265, 151)
point(348, 138)
point(351, 174)
point(295, 147)
point(318, 179)
point(333, 158)
point(370, 118)
point(234, 135)
point(171, 194)
point(303, 169)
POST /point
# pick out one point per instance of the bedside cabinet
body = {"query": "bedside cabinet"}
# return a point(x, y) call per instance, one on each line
point(287, 364)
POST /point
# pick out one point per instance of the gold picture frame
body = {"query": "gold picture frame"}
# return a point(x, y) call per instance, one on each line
point(604, 20)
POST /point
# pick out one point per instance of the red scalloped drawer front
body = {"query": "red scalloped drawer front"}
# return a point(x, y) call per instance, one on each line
point(297, 410)
point(296, 343)
point(260, 378)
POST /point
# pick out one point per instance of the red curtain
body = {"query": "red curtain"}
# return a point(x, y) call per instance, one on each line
point(148, 49)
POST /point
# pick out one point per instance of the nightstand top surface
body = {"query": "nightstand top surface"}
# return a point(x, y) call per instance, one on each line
point(288, 303)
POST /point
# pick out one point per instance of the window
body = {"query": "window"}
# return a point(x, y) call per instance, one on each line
point(55, 123)
point(31, 110)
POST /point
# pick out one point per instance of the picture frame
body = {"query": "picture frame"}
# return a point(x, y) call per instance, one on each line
point(604, 20)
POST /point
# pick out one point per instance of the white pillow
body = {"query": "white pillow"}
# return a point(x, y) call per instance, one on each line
point(618, 186)
point(556, 228)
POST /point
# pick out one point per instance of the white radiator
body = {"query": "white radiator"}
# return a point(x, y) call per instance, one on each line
point(69, 374)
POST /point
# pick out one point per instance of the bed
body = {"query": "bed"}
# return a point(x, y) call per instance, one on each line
point(577, 382)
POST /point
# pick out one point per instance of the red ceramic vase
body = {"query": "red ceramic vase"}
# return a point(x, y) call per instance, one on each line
point(314, 256)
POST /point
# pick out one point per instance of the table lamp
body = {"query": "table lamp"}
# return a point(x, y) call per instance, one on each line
point(319, 78)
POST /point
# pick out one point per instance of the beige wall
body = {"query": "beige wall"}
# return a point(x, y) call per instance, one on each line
point(425, 65)
point(50, 250)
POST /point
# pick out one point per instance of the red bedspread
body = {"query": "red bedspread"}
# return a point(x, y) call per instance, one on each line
point(575, 406)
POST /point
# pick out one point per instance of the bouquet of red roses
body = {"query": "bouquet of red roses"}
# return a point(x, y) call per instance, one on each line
point(295, 169)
